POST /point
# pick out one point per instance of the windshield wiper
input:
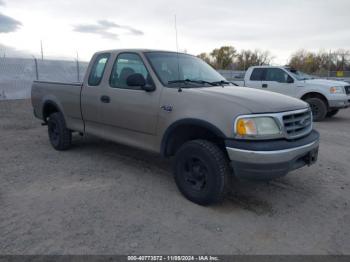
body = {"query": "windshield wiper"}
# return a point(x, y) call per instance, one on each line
point(186, 81)
point(222, 82)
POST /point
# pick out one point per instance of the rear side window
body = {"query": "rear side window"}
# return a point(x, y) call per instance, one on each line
point(98, 69)
point(257, 74)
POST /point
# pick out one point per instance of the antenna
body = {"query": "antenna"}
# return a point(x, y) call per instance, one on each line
point(177, 52)
point(329, 62)
point(177, 43)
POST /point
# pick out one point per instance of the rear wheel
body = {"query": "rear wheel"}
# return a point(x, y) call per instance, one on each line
point(318, 108)
point(332, 113)
point(60, 136)
point(201, 172)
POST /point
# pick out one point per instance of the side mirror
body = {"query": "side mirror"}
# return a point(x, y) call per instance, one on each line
point(139, 81)
point(136, 80)
point(290, 80)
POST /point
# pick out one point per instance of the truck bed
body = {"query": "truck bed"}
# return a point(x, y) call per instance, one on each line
point(65, 96)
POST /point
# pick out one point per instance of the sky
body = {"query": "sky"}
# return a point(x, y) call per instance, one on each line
point(68, 27)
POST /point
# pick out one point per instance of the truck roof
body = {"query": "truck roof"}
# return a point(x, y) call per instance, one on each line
point(138, 50)
point(269, 66)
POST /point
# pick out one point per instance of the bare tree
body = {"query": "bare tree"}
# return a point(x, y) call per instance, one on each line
point(247, 58)
point(342, 58)
point(305, 61)
point(320, 62)
point(206, 58)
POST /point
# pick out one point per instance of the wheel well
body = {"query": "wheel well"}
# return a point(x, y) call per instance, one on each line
point(48, 109)
point(186, 132)
point(315, 94)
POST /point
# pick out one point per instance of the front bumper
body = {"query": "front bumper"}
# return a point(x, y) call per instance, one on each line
point(270, 159)
point(338, 104)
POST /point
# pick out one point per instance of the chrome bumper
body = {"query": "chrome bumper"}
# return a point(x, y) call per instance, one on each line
point(344, 103)
point(270, 157)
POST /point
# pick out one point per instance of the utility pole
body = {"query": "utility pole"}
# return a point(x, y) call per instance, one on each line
point(36, 68)
point(42, 50)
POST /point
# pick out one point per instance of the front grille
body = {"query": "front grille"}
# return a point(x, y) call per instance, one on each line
point(347, 90)
point(297, 124)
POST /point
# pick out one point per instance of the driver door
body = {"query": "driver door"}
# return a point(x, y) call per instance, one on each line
point(279, 81)
point(130, 110)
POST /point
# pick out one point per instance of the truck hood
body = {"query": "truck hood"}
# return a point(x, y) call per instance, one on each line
point(325, 82)
point(253, 100)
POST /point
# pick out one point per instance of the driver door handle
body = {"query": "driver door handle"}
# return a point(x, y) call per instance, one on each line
point(105, 99)
point(264, 85)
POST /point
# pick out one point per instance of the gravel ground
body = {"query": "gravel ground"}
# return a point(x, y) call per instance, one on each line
point(105, 198)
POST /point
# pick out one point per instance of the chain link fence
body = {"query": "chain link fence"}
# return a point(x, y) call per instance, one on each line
point(18, 74)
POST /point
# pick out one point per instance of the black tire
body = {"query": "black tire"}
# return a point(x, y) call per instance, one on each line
point(201, 172)
point(60, 137)
point(332, 112)
point(318, 108)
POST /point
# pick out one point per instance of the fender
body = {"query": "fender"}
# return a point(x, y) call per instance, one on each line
point(188, 121)
point(52, 103)
point(311, 90)
point(314, 93)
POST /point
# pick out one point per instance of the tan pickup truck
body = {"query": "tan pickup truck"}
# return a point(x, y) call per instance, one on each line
point(177, 105)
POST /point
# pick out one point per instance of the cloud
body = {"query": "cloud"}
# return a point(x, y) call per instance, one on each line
point(10, 51)
point(8, 24)
point(106, 29)
point(2, 2)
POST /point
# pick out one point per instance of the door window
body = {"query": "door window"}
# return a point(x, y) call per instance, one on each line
point(98, 69)
point(257, 74)
point(276, 75)
point(125, 65)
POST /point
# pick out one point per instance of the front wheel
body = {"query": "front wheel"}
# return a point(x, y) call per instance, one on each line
point(60, 136)
point(201, 172)
point(318, 108)
point(332, 113)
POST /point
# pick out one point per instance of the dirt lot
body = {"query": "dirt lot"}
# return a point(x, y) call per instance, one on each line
point(104, 198)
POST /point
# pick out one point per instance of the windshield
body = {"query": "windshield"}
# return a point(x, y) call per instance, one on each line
point(298, 74)
point(175, 70)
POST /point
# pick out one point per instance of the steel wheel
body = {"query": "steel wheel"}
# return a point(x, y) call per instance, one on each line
point(195, 173)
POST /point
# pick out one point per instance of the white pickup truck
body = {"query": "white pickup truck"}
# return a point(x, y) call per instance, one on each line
point(325, 97)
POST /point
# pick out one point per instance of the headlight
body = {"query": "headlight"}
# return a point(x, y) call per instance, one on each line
point(337, 90)
point(256, 127)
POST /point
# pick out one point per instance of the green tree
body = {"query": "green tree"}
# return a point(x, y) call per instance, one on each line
point(223, 57)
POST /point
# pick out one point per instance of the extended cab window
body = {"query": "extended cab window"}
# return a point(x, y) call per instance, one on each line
point(276, 75)
point(257, 74)
point(98, 69)
point(125, 65)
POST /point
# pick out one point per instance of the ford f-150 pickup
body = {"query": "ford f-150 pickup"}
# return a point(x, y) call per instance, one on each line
point(325, 97)
point(177, 105)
